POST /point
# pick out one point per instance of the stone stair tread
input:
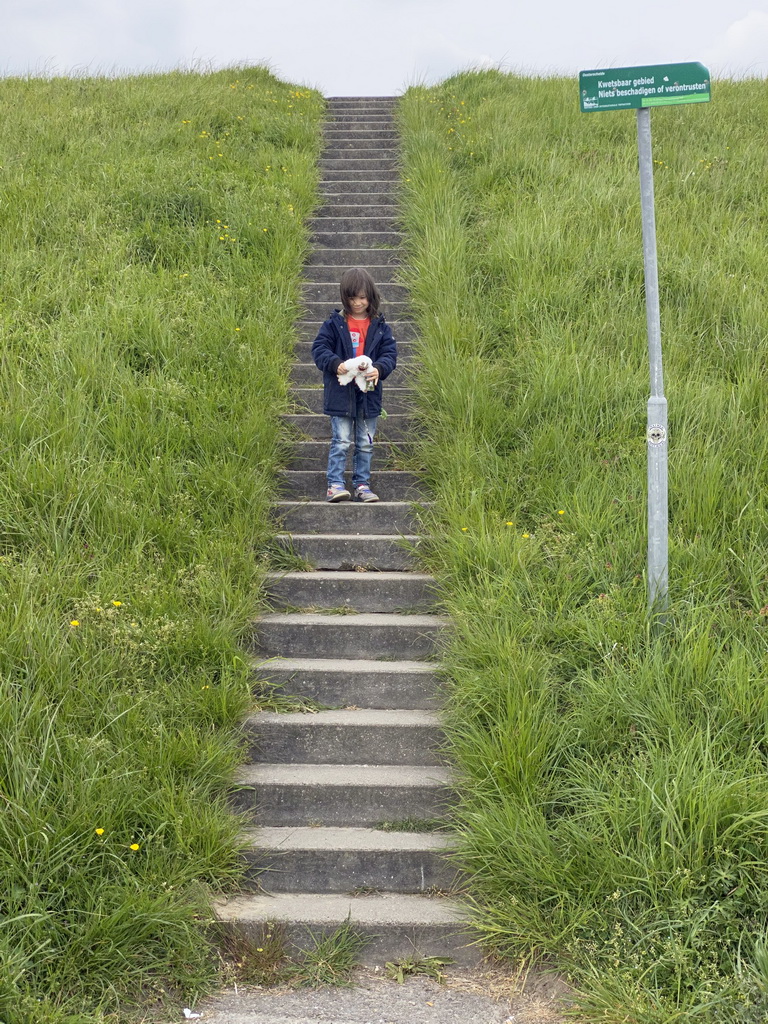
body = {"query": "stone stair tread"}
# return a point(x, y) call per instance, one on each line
point(344, 504)
point(347, 717)
point(372, 538)
point(348, 665)
point(354, 621)
point(310, 776)
point(302, 837)
point(395, 924)
point(345, 576)
point(335, 908)
point(387, 475)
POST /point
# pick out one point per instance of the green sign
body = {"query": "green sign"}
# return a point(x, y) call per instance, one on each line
point(658, 85)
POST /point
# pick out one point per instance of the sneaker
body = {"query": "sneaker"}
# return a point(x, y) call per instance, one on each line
point(337, 492)
point(364, 493)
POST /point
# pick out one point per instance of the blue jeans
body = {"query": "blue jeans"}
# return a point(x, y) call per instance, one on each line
point(345, 431)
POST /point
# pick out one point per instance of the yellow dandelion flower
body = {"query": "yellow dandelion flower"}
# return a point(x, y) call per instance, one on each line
point(464, 529)
point(561, 511)
point(134, 846)
point(74, 622)
point(510, 523)
point(526, 535)
point(117, 604)
point(99, 831)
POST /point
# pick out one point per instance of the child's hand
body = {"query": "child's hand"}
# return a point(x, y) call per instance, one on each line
point(372, 375)
point(341, 368)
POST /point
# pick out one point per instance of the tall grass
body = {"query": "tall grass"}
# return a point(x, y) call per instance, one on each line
point(152, 241)
point(613, 783)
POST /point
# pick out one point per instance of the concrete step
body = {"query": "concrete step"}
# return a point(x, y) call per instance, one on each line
point(378, 119)
point(376, 104)
point(363, 128)
point(341, 794)
point(356, 255)
point(371, 684)
point(377, 636)
point(376, 592)
point(397, 925)
point(350, 239)
point(347, 859)
point(397, 400)
point(361, 143)
point(320, 291)
point(339, 187)
point(372, 551)
point(337, 737)
point(311, 484)
point(371, 166)
point(305, 373)
point(359, 206)
point(357, 222)
point(392, 518)
point(341, 172)
point(361, 113)
point(311, 425)
point(351, 201)
point(342, 102)
point(382, 273)
point(314, 455)
point(366, 124)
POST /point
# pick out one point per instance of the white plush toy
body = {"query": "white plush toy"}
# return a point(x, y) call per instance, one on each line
point(356, 372)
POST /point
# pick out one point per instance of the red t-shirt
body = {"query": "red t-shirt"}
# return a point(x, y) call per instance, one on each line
point(358, 329)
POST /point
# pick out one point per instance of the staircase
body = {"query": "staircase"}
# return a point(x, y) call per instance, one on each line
point(320, 786)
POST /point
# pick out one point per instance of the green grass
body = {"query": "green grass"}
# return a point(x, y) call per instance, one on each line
point(613, 781)
point(152, 243)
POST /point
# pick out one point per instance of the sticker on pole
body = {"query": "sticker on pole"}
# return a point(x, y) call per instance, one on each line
point(657, 85)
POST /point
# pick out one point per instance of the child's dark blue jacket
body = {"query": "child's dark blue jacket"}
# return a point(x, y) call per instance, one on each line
point(333, 346)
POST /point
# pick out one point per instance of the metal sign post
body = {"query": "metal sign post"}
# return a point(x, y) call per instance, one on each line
point(657, 403)
point(640, 89)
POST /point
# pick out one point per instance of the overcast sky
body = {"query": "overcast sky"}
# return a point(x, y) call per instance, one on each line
point(379, 47)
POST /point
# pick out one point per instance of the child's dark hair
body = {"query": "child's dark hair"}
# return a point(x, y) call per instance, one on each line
point(357, 282)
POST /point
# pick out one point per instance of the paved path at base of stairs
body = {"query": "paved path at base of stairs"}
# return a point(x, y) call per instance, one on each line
point(466, 998)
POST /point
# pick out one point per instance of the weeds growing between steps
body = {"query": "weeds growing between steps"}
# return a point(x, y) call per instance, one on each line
point(268, 959)
point(612, 780)
point(149, 264)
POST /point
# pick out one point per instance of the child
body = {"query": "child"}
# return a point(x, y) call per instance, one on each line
point(355, 330)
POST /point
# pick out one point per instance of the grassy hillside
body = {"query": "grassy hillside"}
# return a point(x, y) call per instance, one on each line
point(151, 244)
point(614, 813)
